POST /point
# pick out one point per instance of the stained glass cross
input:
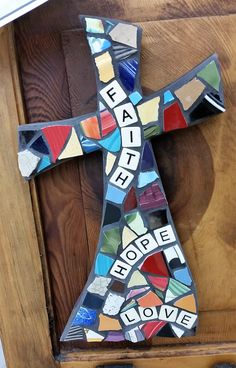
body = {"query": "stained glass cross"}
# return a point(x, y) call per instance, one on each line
point(140, 284)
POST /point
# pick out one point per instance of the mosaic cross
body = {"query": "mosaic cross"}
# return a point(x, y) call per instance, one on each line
point(140, 284)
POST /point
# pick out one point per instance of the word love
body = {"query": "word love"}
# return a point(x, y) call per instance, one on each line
point(165, 313)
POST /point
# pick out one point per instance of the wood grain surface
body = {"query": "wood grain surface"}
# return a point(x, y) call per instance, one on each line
point(23, 318)
point(196, 165)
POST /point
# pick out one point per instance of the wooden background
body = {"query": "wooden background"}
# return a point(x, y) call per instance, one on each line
point(197, 165)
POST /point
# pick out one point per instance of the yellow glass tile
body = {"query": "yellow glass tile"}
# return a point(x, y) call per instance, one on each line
point(148, 111)
point(105, 67)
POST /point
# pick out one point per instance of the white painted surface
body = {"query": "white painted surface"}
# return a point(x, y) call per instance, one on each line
point(12, 9)
point(2, 359)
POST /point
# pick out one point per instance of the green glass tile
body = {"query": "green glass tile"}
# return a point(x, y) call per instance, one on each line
point(135, 222)
point(152, 131)
point(211, 75)
point(111, 240)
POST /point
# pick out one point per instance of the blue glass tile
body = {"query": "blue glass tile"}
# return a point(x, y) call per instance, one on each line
point(135, 97)
point(40, 146)
point(108, 26)
point(103, 264)
point(146, 178)
point(98, 44)
point(168, 97)
point(88, 146)
point(183, 276)
point(115, 194)
point(113, 142)
point(85, 317)
point(92, 301)
point(45, 162)
point(127, 71)
point(147, 158)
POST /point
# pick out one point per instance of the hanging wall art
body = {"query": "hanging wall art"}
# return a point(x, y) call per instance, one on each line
point(140, 284)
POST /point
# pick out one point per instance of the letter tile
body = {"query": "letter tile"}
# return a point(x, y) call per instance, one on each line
point(168, 313)
point(125, 114)
point(146, 243)
point(129, 159)
point(131, 137)
point(113, 94)
point(121, 177)
point(164, 235)
point(148, 313)
point(186, 319)
point(120, 269)
point(131, 254)
point(130, 317)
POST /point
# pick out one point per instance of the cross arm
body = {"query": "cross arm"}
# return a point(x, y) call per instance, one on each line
point(45, 145)
point(186, 101)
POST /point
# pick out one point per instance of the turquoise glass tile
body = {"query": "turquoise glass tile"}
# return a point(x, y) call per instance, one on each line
point(115, 194)
point(146, 178)
point(183, 276)
point(168, 97)
point(45, 162)
point(135, 97)
point(113, 142)
point(103, 264)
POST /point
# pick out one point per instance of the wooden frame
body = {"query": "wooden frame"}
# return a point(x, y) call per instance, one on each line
point(24, 319)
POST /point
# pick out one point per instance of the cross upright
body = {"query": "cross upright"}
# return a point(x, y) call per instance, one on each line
point(140, 284)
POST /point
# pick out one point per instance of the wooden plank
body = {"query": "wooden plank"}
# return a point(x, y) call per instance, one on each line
point(192, 361)
point(192, 154)
point(59, 190)
point(23, 318)
point(194, 356)
point(53, 16)
point(164, 42)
